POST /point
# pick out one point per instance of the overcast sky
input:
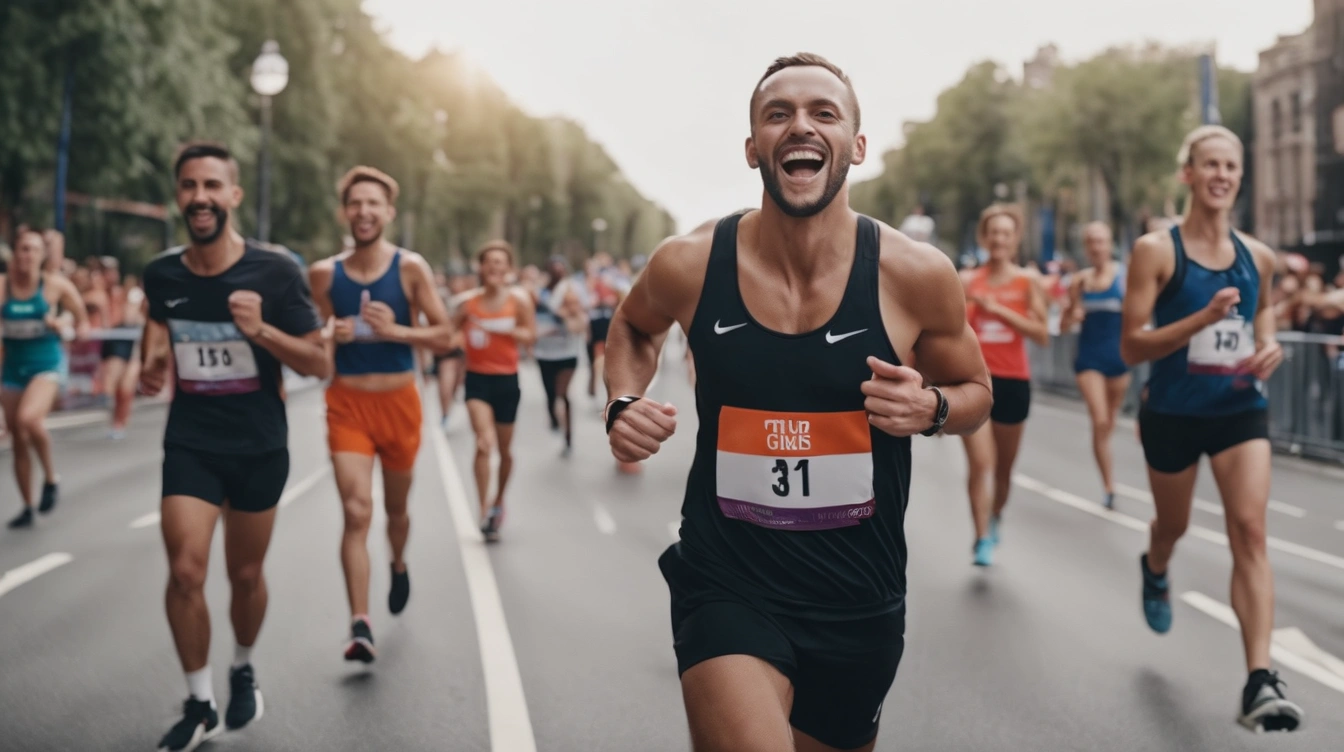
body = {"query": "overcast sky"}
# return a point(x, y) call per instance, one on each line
point(663, 85)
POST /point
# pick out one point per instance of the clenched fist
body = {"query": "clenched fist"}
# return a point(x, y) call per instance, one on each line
point(641, 429)
point(897, 402)
point(245, 307)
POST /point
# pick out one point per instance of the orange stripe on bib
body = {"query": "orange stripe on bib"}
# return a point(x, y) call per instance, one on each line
point(780, 434)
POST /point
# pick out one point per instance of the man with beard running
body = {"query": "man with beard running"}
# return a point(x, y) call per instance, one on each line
point(1205, 288)
point(227, 314)
point(824, 340)
point(375, 292)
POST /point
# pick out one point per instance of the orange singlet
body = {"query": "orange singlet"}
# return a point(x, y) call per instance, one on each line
point(1004, 348)
point(491, 348)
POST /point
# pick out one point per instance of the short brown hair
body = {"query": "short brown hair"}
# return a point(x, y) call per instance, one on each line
point(1010, 211)
point(800, 60)
point(365, 174)
point(495, 245)
point(203, 150)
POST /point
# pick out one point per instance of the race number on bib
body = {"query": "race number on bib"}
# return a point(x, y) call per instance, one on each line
point(1221, 347)
point(25, 328)
point(213, 358)
point(795, 471)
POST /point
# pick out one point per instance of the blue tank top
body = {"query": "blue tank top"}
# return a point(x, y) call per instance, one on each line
point(1101, 320)
point(1203, 378)
point(27, 338)
point(367, 354)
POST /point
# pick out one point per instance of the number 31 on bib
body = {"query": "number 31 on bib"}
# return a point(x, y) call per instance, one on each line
point(1221, 347)
point(795, 471)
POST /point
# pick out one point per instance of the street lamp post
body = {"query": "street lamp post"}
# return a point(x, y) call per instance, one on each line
point(270, 75)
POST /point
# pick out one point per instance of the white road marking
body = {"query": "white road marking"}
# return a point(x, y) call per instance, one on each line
point(1079, 503)
point(1280, 647)
point(1288, 509)
point(1138, 494)
point(32, 570)
point(674, 530)
point(291, 494)
point(150, 519)
point(1339, 525)
point(77, 419)
point(505, 703)
point(605, 522)
point(1203, 533)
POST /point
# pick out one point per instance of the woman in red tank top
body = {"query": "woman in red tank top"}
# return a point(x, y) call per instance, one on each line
point(1006, 307)
point(495, 320)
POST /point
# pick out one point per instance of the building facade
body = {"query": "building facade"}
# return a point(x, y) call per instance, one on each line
point(1285, 142)
point(1328, 33)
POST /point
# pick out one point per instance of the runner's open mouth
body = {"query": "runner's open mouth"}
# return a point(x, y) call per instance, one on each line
point(803, 163)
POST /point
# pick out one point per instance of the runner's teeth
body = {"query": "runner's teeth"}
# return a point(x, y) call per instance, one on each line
point(796, 155)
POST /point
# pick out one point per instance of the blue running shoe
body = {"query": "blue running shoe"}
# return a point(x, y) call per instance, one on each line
point(984, 552)
point(1109, 501)
point(1156, 598)
point(994, 529)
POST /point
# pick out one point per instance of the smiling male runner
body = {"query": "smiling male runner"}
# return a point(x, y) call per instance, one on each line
point(788, 584)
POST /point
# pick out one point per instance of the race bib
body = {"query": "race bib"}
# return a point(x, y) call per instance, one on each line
point(213, 358)
point(994, 331)
point(795, 471)
point(26, 329)
point(1221, 347)
point(478, 335)
point(362, 331)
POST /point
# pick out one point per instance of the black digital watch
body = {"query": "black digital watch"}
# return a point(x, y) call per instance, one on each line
point(615, 407)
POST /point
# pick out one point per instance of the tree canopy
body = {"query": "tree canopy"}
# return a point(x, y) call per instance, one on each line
point(147, 75)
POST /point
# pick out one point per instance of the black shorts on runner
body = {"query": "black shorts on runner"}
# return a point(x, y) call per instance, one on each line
point(597, 332)
point(248, 482)
point(1012, 400)
point(1172, 443)
point(841, 671)
point(499, 391)
point(118, 348)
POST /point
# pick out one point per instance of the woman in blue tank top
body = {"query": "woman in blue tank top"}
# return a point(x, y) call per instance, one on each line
point(34, 363)
point(1095, 298)
point(1204, 288)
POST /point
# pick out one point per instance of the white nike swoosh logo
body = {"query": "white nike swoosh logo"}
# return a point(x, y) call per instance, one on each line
point(174, 303)
point(725, 329)
point(831, 339)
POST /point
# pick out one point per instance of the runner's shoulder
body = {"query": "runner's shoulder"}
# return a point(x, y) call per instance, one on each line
point(1265, 257)
point(911, 264)
point(681, 259)
point(410, 260)
point(1154, 250)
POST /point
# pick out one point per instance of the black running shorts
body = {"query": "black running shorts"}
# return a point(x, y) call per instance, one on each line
point(499, 391)
point(248, 482)
point(117, 348)
point(1012, 400)
point(840, 670)
point(1172, 443)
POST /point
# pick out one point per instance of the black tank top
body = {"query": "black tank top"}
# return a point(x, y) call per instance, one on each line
point(794, 501)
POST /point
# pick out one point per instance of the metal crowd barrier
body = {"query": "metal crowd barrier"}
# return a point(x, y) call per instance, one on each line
point(1306, 393)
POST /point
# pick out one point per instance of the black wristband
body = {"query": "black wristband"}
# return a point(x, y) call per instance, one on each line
point(615, 407)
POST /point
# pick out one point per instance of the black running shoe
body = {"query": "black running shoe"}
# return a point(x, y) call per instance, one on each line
point(25, 519)
point(360, 646)
point(490, 528)
point(199, 723)
point(401, 591)
point(1263, 706)
point(49, 496)
point(245, 703)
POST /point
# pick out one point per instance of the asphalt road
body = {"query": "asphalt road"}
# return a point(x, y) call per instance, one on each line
point(558, 638)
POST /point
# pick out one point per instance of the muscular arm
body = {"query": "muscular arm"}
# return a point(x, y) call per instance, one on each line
point(306, 354)
point(640, 325)
point(947, 353)
point(1266, 322)
point(1147, 270)
point(154, 354)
